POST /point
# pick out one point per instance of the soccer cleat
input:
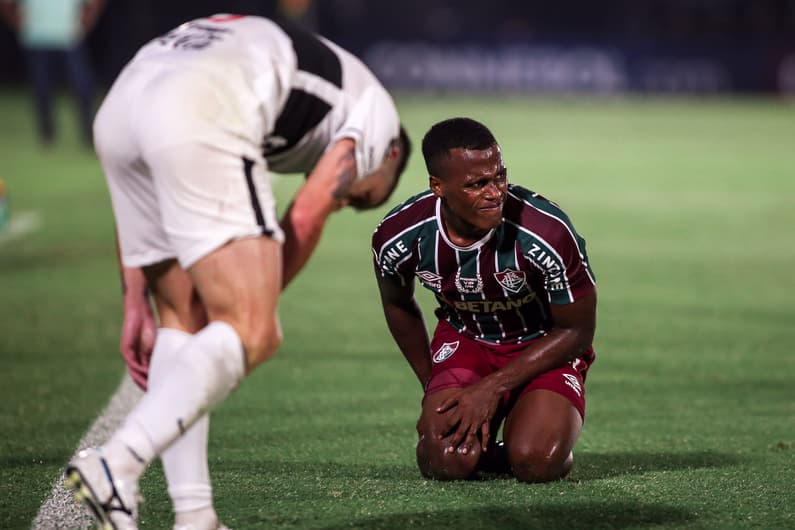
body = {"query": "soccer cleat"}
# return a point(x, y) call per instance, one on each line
point(113, 502)
point(495, 460)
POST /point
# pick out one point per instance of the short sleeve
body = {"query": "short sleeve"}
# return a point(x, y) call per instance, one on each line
point(372, 123)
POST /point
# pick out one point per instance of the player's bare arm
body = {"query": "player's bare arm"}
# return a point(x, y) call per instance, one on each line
point(322, 194)
point(405, 322)
point(473, 407)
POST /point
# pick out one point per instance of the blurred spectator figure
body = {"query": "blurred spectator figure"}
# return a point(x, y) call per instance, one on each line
point(51, 34)
point(300, 12)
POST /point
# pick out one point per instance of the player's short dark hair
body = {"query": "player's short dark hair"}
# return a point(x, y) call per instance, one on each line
point(453, 133)
point(405, 152)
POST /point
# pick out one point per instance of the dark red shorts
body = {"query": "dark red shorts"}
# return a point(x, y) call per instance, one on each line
point(459, 361)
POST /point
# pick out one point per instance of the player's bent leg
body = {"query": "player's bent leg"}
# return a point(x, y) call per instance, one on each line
point(176, 299)
point(185, 461)
point(240, 284)
point(432, 457)
point(540, 433)
point(199, 375)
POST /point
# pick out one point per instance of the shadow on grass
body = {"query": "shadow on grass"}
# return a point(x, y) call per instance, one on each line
point(595, 466)
point(588, 466)
point(568, 516)
point(339, 488)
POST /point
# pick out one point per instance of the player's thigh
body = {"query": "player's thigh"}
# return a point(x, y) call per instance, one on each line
point(542, 426)
point(240, 283)
point(176, 299)
point(220, 217)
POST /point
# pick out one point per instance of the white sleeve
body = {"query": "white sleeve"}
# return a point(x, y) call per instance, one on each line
point(372, 123)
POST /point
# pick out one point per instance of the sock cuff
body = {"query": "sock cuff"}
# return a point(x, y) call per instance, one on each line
point(170, 334)
point(167, 343)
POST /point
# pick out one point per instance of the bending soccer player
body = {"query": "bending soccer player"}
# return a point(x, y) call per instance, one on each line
point(516, 315)
point(186, 137)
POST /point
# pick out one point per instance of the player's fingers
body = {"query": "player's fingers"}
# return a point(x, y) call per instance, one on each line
point(485, 433)
point(134, 364)
point(138, 376)
point(446, 405)
point(469, 442)
point(147, 343)
point(129, 343)
point(457, 437)
point(129, 355)
point(450, 425)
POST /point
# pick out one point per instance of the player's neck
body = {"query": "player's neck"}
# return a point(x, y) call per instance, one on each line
point(459, 232)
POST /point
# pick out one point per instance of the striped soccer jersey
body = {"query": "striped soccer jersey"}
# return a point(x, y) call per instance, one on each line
point(497, 290)
point(291, 91)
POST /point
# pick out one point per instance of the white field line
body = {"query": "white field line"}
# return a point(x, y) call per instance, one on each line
point(21, 223)
point(60, 509)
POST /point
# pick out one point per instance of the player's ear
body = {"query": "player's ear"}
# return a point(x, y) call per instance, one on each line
point(435, 184)
point(394, 151)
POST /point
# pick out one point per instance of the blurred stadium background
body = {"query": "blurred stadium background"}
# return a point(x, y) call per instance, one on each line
point(665, 129)
point(614, 46)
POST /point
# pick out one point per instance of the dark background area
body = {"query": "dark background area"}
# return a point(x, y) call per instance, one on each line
point(752, 36)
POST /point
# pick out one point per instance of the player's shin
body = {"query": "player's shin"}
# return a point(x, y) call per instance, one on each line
point(185, 460)
point(196, 377)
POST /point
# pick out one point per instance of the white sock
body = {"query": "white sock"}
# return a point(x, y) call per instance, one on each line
point(193, 379)
point(187, 473)
point(185, 460)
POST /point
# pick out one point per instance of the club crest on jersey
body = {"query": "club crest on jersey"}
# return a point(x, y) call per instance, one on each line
point(468, 285)
point(511, 280)
point(430, 279)
point(447, 349)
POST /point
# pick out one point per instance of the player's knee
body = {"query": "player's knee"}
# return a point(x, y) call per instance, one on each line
point(539, 464)
point(436, 463)
point(261, 342)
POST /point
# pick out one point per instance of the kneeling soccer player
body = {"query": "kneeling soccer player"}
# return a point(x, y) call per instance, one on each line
point(516, 315)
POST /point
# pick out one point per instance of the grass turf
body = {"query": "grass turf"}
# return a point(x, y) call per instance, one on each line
point(687, 207)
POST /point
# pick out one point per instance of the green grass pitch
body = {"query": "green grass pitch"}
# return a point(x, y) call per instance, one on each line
point(688, 208)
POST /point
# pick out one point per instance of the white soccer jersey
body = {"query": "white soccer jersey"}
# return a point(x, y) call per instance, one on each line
point(189, 130)
point(308, 90)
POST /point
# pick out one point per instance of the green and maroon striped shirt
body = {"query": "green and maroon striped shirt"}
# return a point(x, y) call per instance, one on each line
point(497, 290)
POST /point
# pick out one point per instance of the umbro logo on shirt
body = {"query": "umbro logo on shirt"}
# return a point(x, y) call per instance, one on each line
point(430, 279)
point(573, 383)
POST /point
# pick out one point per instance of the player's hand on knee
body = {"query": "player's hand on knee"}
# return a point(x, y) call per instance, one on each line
point(138, 334)
point(474, 405)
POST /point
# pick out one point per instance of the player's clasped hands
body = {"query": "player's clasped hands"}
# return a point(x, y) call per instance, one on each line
point(468, 413)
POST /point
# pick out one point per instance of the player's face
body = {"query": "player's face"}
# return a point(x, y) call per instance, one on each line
point(473, 185)
point(374, 189)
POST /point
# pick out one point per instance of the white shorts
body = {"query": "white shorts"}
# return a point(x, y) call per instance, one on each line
point(181, 154)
